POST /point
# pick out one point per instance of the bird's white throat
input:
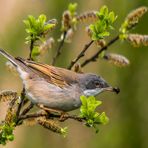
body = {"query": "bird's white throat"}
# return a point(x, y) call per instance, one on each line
point(92, 92)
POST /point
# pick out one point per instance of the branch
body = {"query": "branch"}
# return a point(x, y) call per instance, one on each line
point(50, 116)
point(23, 94)
point(27, 109)
point(21, 102)
point(33, 115)
point(96, 55)
point(58, 52)
point(81, 54)
point(31, 48)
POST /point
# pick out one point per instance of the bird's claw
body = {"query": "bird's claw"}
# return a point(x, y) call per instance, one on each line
point(63, 116)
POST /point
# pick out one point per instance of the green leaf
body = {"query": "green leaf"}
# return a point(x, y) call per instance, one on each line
point(48, 27)
point(42, 19)
point(10, 137)
point(88, 112)
point(35, 52)
point(64, 131)
point(103, 118)
point(112, 16)
point(72, 8)
point(36, 28)
point(100, 28)
point(104, 10)
point(6, 132)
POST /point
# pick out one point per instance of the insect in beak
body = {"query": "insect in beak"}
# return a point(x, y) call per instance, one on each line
point(113, 89)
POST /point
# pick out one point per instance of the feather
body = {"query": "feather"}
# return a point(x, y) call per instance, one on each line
point(57, 76)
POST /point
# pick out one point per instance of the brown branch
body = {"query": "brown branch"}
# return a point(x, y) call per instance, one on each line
point(32, 115)
point(58, 52)
point(49, 116)
point(27, 109)
point(96, 55)
point(81, 54)
point(31, 48)
point(23, 94)
point(21, 102)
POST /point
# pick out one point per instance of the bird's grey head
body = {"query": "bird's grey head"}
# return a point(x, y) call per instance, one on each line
point(92, 85)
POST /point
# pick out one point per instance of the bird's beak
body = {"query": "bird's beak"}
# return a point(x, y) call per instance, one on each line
point(112, 89)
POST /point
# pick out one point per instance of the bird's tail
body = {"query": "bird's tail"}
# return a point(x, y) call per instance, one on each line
point(9, 57)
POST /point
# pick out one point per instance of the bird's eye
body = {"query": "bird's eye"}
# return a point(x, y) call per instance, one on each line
point(97, 84)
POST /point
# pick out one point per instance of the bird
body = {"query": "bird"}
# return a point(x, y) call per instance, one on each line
point(54, 87)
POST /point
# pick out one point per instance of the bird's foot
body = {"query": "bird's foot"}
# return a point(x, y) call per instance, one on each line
point(63, 115)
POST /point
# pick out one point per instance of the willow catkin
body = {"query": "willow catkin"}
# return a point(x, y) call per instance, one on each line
point(50, 124)
point(7, 95)
point(11, 111)
point(134, 16)
point(117, 59)
point(52, 21)
point(10, 115)
point(34, 120)
point(88, 31)
point(137, 39)
point(100, 43)
point(11, 68)
point(11, 96)
point(46, 45)
point(66, 20)
point(87, 16)
point(69, 35)
point(77, 68)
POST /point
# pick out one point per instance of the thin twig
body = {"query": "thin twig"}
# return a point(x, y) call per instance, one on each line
point(81, 54)
point(23, 94)
point(21, 102)
point(31, 48)
point(58, 52)
point(96, 55)
point(27, 109)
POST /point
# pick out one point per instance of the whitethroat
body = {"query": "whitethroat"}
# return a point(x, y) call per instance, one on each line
point(54, 87)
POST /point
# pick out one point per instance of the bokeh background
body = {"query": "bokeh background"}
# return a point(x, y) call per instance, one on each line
point(128, 111)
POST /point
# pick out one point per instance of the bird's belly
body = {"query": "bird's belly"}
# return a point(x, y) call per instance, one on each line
point(63, 104)
point(51, 96)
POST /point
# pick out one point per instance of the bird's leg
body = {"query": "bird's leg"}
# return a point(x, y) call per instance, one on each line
point(63, 115)
point(41, 106)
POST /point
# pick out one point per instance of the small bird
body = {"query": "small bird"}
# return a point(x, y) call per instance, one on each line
point(54, 87)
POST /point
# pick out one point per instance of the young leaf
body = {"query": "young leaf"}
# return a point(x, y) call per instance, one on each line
point(100, 28)
point(72, 8)
point(87, 111)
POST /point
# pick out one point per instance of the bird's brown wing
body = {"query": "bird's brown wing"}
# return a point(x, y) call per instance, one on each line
point(57, 76)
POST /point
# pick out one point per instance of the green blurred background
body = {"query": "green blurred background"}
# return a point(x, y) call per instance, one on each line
point(128, 111)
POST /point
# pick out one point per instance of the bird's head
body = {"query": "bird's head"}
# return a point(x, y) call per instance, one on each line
point(92, 85)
